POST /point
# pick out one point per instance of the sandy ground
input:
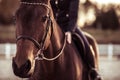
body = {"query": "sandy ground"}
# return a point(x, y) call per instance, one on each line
point(109, 69)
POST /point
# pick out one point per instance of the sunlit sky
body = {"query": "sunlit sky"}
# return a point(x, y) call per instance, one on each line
point(103, 1)
point(106, 1)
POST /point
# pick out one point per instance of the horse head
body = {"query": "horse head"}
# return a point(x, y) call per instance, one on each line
point(33, 32)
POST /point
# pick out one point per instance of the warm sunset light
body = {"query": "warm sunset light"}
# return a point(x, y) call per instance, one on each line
point(87, 14)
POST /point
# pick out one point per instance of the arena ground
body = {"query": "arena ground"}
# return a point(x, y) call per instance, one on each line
point(109, 69)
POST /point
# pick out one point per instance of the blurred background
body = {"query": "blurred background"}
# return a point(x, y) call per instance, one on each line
point(100, 18)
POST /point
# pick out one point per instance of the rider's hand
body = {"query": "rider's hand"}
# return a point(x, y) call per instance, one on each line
point(69, 37)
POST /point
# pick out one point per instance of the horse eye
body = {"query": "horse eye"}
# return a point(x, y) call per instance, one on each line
point(44, 18)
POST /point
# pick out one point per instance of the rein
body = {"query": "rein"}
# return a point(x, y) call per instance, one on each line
point(40, 46)
point(40, 55)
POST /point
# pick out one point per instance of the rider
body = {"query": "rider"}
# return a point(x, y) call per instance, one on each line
point(66, 14)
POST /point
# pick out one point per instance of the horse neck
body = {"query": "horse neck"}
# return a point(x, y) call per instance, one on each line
point(57, 40)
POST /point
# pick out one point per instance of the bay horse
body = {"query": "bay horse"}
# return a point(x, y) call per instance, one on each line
point(42, 50)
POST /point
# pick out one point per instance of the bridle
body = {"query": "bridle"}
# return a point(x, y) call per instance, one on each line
point(40, 46)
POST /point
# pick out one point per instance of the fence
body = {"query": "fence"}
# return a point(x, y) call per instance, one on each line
point(104, 49)
point(7, 50)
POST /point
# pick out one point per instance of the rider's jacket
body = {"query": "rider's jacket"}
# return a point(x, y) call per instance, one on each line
point(65, 13)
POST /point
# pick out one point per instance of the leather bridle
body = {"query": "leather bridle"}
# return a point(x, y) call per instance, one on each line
point(40, 46)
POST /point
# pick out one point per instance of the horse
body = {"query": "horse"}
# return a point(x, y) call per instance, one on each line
point(43, 52)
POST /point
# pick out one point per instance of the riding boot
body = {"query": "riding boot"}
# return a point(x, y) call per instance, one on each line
point(93, 75)
point(88, 58)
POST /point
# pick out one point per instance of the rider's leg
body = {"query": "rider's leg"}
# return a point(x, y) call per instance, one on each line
point(88, 56)
point(88, 53)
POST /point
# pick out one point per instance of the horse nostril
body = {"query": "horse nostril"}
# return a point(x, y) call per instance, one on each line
point(27, 66)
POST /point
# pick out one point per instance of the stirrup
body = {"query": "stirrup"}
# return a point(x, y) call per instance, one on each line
point(93, 75)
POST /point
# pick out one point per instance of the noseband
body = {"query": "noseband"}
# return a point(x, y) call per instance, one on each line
point(40, 46)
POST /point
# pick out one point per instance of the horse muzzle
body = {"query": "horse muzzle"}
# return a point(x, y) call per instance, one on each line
point(24, 71)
